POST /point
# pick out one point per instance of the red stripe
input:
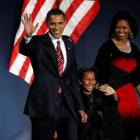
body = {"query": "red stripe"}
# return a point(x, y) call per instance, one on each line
point(24, 68)
point(43, 27)
point(31, 80)
point(73, 7)
point(59, 2)
point(85, 21)
point(25, 4)
point(37, 8)
point(15, 51)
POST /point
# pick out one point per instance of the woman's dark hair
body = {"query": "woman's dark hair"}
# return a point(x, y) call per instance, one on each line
point(54, 12)
point(123, 15)
point(82, 71)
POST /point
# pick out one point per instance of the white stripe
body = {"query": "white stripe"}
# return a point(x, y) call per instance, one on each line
point(77, 16)
point(17, 64)
point(41, 16)
point(29, 74)
point(65, 4)
point(29, 9)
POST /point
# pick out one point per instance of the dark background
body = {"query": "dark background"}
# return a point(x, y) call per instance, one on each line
point(13, 91)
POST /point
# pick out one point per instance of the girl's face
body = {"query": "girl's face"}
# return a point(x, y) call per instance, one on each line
point(122, 30)
point(88, 82)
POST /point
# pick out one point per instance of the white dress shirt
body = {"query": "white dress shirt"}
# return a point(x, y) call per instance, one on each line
point(62, 46)
point(54, 40)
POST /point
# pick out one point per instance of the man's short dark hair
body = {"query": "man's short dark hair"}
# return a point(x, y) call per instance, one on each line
point(54, 12)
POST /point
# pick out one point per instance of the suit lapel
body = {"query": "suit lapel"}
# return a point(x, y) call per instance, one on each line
point(52, 52)
point(51, 49)
point(68, 49)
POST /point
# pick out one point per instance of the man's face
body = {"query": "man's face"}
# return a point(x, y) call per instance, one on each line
point(56, 25)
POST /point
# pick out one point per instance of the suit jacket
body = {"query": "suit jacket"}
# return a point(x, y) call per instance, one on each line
point(43, 91)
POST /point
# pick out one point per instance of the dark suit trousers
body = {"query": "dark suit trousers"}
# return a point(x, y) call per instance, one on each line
point(62, 121)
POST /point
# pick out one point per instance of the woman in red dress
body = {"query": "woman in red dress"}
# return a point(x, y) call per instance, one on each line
point(118, 61)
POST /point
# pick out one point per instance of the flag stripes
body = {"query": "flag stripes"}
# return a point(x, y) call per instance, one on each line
point(79, 15)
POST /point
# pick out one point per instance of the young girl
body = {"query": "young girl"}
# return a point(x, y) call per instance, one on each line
point(98, 102)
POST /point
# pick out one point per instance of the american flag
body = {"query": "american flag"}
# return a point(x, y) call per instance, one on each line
point(79, 15)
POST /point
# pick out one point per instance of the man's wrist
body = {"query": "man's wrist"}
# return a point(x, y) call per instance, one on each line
point(27, 39)
point(29, 35)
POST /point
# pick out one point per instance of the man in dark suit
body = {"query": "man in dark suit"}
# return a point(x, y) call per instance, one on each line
point(54, 100)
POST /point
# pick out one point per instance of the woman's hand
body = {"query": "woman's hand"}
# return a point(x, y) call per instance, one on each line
point(108, 91)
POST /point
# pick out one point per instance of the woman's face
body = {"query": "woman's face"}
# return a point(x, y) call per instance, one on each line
point(88, 82)
point(122, 30)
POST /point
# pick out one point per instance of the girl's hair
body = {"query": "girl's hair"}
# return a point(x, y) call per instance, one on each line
point(83, 70)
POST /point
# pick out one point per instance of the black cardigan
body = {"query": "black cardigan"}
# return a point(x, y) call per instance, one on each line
point(107, 53)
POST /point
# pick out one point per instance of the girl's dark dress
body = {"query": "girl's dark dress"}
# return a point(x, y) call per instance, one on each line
point(101, 125)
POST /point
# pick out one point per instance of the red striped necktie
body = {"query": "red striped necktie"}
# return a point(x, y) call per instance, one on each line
point(60, 61)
